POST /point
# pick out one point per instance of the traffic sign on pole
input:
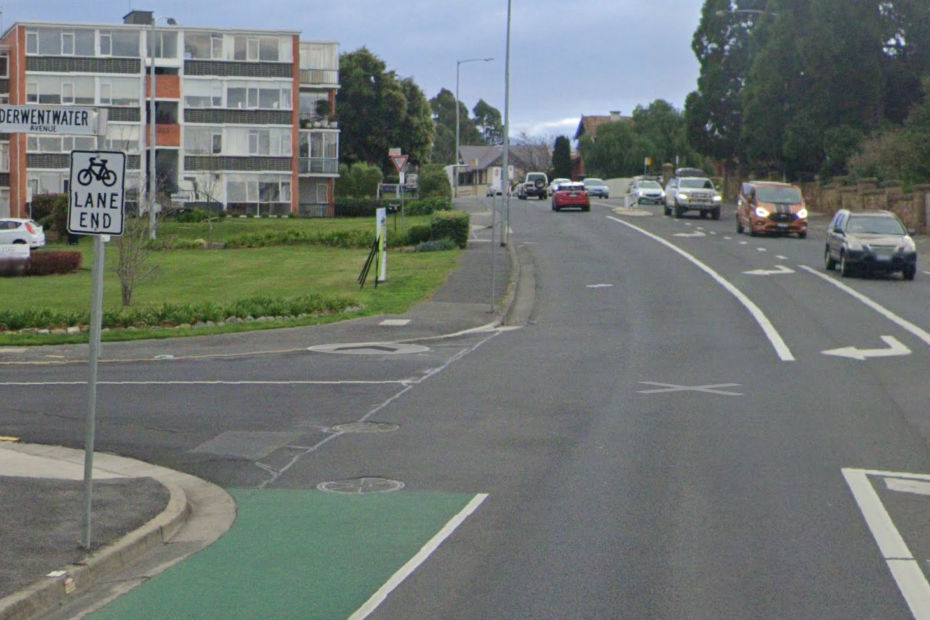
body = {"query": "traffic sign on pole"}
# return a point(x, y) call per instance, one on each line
point(95, 205)
point(399, 161)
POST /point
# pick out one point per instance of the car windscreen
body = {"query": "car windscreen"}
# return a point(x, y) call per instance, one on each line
point(594, 182)
point(778, 195)
point(874, 225)
point(649, 185)
point(534, 177)
point(697, 184)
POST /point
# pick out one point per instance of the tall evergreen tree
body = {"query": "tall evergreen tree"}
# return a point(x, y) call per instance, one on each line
point(562, 158)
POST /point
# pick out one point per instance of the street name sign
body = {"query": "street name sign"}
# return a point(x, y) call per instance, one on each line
point(95, 204)
point(65, 120)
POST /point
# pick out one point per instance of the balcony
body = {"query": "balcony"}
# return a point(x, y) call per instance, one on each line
point(166, 86)
point(318, 165)
point(319, 77)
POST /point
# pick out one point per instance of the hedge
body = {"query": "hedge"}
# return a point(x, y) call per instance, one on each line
point(454, 225)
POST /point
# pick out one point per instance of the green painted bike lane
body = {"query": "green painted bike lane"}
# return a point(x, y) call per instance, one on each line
point(295, 554)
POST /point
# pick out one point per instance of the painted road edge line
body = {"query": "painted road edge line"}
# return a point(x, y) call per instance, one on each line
point(904, 568)
point(885, 312)
point(407, 569)
point(781, 349)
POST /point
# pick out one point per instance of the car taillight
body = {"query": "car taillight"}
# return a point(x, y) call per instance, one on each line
point(30, 228)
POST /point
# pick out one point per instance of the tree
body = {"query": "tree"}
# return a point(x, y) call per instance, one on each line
point(443, 107)
point(531, 153)
point(434, 181)
point(562, 158)
point(378, 111)
point(358, 180)
point(489, 123)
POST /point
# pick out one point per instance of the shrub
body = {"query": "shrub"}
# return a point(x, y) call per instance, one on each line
point(358, 181)
point(419, 233)
point(48, 263)
point(434, 181)
point(356, 207)
point(437, 245)
point(428, 206)
point(194, 217)
point(43, 206)
point(454, 225)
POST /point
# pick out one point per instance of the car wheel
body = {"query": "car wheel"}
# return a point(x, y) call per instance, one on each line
point(739, 226)
point(828, 261)
point(909, 273)
point(703, 215)
point(667, 210)
point(802, 235)
point(715, 213)
point(542, 197)
point(845, 267)
point(586, 208)
point(679, 211)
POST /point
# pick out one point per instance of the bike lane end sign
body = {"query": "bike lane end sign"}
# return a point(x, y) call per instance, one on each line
point(96, 192)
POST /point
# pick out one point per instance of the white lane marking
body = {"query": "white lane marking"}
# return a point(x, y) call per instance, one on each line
point(707, 389)
point(904, 568)
point(600, 286)
point(780, 257)
point(694, 234)
point(888, 314)
point(394, 322)
point(744, 243)
point(407, 569)
point(895, 349)
point(781, 349)
point(728, 238)
point(713, 233)
point(927, 273)
point(144, 383)
point(761, 250)
point(908, 486)
point(781, 270)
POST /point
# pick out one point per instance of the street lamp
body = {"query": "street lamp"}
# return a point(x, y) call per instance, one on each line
point(455, 167)
point(151, 191)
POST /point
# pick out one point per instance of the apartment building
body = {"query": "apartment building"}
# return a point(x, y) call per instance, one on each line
point(242, 118)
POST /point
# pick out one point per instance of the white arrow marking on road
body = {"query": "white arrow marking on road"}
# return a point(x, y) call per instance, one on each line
point(782, 270)
point(694, 234)
point(600, 286)
point(895, 349)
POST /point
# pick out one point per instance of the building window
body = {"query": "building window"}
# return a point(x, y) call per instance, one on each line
point(32, 42)
point(217, 142)
point(106, 43)
point(285, 191)
point(4, 156)
point(32, 92)
point(322, 193)
point(268, 50)
point(67, 43)
point(4, 65)
point(125, 43)
point(4, 202)
point(106, 93)
point(216, 44)
point(67, 93)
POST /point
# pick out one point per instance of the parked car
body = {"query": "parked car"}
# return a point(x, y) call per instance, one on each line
point(872, 241)
point(645, 191)
point(571, 196)
point(16, 230)
point(771, 208)
point(597, 188)
point(554, 185)
point(535, 184)
point(683, 194)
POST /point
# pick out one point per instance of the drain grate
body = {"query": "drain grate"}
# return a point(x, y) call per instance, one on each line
point(357, 486)
point(365, 427)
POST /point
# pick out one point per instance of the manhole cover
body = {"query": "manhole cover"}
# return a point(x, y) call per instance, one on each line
point(365, 427)
point(361, 485)
point(371, 348)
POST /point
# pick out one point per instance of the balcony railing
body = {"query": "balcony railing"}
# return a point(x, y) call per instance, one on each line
point(321, 77)
point(318, 165)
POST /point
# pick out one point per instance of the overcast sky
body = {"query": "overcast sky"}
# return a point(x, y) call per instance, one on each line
point(567, 58)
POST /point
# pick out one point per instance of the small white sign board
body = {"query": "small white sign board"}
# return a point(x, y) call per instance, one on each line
point(96, 192)
point(36, 119)
point(15, 251)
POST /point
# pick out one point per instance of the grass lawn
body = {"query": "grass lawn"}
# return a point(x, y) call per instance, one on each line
point(221, 276)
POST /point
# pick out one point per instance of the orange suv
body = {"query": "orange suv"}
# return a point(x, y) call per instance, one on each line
point(771, 208)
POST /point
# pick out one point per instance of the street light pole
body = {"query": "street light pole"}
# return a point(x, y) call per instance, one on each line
point(151, 179)
point(455, 166)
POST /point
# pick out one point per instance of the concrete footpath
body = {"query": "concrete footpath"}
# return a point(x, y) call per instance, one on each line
point(140, 508)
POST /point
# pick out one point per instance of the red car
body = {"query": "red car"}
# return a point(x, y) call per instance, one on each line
point(571, 196)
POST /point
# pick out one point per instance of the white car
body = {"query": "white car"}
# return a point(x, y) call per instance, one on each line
point(554, 186)
point(646, 191)
point(16, 231)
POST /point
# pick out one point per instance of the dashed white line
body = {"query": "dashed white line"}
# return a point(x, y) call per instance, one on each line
point(761, 250)
point(778, 343)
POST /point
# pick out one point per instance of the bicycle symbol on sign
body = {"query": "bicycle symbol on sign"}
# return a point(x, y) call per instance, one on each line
point(97, 170)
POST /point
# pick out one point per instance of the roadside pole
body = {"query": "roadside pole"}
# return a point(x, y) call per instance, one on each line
point(493, 248)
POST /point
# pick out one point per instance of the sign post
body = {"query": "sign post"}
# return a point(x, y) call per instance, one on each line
point(381, 228)
point(95, 207)
point(400, 162)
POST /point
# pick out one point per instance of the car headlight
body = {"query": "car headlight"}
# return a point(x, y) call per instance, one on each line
point(907, 246)
point(802, 213)
point(718, 198)
point(683, 196)
point(855, 246)
point(761, 212)
point(662, 193)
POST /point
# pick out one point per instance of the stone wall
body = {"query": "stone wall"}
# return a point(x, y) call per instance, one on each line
point(868, 194)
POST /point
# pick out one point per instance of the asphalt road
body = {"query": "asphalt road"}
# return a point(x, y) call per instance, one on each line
point(673, 435)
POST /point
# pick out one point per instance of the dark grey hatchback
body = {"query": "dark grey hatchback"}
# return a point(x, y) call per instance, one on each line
point(872, 241)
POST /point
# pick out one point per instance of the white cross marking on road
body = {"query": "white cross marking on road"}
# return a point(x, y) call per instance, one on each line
point(706, 389)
